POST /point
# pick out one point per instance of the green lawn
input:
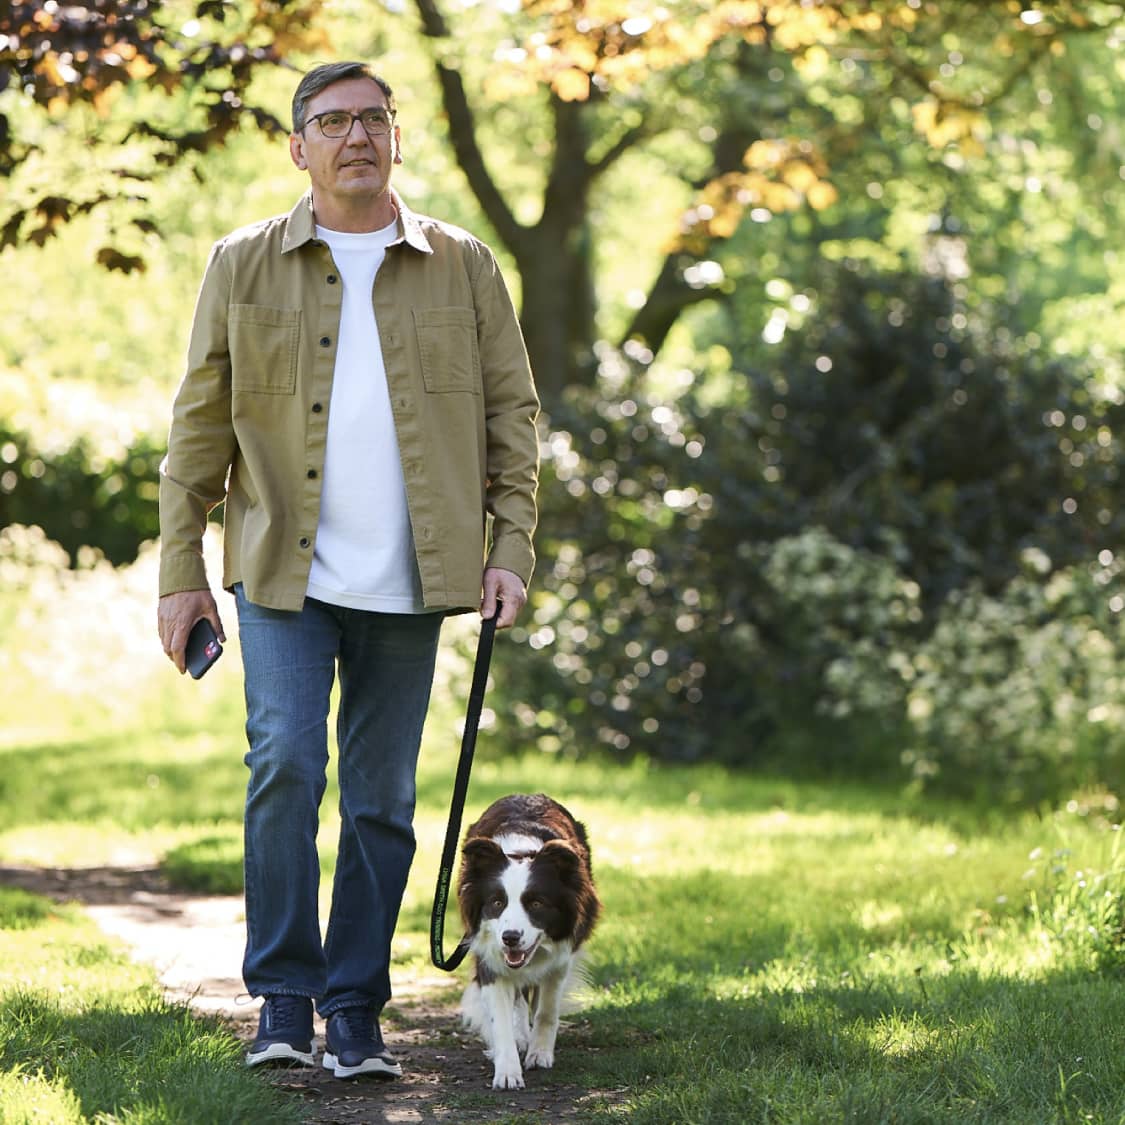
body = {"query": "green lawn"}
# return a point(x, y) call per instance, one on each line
point(85, 1036)
point(771, 951)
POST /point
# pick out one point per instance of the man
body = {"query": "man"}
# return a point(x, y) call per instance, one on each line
point(358, 392)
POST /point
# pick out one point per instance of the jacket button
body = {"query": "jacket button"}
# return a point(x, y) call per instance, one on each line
point(311, 474)
point(303, 541)
point(331, 279)
point(317, 408)
point(325, 341)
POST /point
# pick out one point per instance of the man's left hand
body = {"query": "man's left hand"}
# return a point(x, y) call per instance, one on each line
point(507, 588)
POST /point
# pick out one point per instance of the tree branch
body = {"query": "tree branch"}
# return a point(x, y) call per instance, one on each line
point(462, 135)
point(670, 294)
point(629, 139)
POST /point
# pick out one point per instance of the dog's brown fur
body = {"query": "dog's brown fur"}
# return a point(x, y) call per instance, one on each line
point(528, 901)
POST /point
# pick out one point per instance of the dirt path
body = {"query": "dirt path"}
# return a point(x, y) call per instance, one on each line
point(195, 943)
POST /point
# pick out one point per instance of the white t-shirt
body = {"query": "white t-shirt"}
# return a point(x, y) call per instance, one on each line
point(364, 555)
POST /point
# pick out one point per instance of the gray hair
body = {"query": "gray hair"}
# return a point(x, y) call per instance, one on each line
point(323, 76)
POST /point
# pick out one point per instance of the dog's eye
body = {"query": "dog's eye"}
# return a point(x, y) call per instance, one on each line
point(497, 902)
point(534, 903)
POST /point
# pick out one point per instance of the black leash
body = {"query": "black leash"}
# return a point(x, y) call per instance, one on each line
point(457, 805)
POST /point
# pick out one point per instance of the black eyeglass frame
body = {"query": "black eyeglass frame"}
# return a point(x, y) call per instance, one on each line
point(386, 115)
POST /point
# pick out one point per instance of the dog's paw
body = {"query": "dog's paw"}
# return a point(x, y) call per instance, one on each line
point(508, 1078)
point(539, 1058)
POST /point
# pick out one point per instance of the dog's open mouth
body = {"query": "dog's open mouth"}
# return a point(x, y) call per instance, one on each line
point(517, 958)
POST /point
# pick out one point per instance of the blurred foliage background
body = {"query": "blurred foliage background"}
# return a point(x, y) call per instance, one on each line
point(824, 300)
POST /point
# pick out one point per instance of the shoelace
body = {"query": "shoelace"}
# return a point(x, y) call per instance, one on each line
point(355, 1023)
point(284, 1012)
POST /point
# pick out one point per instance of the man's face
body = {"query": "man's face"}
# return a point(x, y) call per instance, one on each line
point(356, 165)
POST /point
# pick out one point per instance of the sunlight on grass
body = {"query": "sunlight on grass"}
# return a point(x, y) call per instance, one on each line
point(85, 1034)
point(27, 1096)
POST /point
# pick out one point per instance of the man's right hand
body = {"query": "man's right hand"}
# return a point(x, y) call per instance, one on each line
point(177, 613)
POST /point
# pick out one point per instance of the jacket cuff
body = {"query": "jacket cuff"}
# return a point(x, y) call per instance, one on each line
point(515, 554)
point(182, 572)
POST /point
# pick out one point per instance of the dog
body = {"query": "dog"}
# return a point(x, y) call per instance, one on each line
point(528, 902)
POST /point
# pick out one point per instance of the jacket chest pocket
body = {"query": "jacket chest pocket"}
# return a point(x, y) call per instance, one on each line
point(447, 348)
point(264, 343)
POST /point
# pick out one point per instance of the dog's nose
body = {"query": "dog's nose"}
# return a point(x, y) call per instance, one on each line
point(511, 938)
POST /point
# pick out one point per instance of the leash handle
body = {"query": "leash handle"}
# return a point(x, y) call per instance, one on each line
point(457, 805)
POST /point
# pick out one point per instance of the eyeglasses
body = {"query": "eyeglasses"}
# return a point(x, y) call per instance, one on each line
point(337, 123)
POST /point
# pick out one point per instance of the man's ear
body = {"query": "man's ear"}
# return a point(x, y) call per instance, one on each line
point(297, 150)
point(396, 145)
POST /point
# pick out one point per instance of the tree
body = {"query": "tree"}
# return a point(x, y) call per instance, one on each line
point(145, 84)
point(745, 89)
point(745, 109)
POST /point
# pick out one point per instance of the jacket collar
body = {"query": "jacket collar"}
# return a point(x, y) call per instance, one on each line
point(300, 225)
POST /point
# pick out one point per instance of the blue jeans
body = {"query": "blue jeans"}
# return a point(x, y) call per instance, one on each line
point(386, 666)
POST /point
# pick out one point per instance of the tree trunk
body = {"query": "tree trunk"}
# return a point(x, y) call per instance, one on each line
point(554, 259)
point(557, 313)
point(554, 256)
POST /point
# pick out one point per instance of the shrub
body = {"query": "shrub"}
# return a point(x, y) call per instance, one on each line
point(80, 497)
point(79, 651)
point(902, 424)
point(1082, 912)
point(1022, 695)
point(743, 563)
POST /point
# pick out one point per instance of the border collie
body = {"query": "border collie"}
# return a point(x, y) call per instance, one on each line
point(528, 902)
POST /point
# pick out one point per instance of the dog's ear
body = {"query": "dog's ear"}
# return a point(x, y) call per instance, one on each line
point(480, 854)
point(563, 859)
point(570, 864)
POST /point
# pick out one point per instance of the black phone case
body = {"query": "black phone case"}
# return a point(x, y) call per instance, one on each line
point(203, 648)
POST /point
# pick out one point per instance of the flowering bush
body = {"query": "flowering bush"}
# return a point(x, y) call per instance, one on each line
point(848, 618)
point(833, 560)
point(1023, 694)
point(1081, 912)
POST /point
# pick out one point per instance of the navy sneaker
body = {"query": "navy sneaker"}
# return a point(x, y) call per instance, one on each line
point(354, 1045)
point(285, 1032)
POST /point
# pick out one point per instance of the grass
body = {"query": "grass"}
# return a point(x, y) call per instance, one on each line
point(771, 950)
point(797, 953)
point(86, 1036)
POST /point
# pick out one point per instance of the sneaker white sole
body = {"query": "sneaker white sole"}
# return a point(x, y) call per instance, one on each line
point(282, 1052)
point(376, 1065)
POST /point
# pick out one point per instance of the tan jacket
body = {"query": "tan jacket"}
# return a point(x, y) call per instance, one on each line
point(250, 419)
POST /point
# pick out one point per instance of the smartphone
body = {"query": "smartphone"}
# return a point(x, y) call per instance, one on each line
point(203, 648)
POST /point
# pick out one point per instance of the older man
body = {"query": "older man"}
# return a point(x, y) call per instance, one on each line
point(358, 393)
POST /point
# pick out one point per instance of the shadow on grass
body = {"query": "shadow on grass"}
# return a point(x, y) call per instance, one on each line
point(967, 1048)
point(138, 778)
point(156, 1062)
point(722, 924)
